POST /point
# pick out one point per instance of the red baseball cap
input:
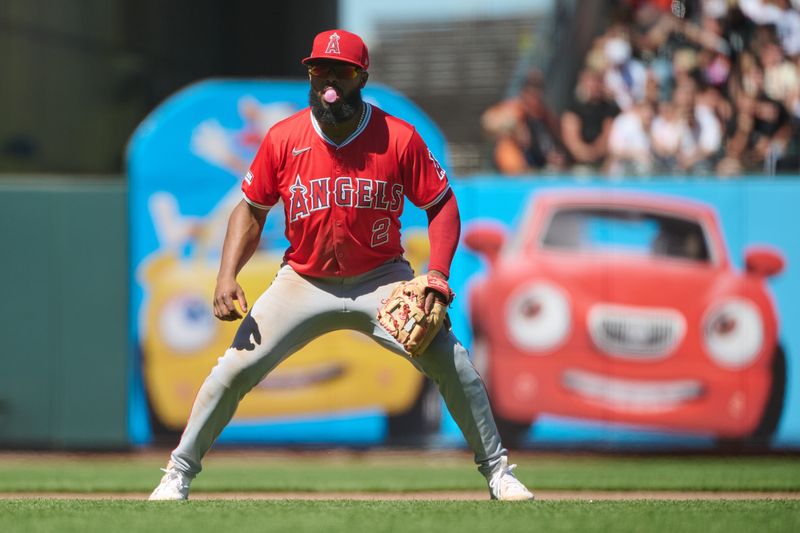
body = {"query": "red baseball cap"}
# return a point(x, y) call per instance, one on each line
point(339, 45)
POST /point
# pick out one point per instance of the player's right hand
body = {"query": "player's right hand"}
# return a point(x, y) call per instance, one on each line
point(224, 295)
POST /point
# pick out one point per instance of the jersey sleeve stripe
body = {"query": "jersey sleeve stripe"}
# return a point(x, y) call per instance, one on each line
point(435, 200)
point(255, 204)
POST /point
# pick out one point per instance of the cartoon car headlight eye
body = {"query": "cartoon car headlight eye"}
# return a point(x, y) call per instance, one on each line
point(186, 323)
point(734, 333)
point(538, 317)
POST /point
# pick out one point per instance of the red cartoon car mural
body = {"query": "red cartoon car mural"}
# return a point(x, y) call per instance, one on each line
point(624, 307)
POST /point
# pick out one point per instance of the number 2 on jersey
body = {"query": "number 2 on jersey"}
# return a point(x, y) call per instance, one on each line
point(380, 232)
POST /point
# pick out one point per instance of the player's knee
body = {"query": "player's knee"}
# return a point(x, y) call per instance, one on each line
point(441, 361)
point(234, 366)
point(464, 367)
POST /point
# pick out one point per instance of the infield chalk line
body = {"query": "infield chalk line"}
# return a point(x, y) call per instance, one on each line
point(543, 495)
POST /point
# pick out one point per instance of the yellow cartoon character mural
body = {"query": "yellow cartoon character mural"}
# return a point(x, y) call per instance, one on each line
point(339, 372)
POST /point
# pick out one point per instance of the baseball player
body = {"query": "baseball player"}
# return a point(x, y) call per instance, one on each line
point(343, 168)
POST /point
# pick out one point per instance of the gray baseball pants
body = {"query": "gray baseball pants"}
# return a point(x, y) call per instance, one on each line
point(295, 310)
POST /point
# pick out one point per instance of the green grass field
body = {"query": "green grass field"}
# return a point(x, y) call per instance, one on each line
point(343, 472)
point(399, 516)
point(349, 472)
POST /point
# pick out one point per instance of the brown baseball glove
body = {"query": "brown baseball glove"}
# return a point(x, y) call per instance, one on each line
point(415, 311)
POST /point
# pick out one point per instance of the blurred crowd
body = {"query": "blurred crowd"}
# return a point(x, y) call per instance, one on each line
point(670, 87)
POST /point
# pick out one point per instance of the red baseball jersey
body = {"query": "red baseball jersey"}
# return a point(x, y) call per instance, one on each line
point(342, 203)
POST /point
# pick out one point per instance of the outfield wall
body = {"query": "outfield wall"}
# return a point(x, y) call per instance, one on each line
point(87, 368)
point(185, 163)
point(64, 316)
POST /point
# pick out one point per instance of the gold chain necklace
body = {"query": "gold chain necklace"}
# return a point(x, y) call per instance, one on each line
point(363, 113)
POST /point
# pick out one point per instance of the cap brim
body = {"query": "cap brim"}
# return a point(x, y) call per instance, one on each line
point(309, 59)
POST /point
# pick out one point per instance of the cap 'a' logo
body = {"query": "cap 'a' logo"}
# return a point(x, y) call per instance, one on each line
point(333, 44)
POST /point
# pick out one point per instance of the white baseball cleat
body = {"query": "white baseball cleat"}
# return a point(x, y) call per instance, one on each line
point(174, 485)
point(503, 484)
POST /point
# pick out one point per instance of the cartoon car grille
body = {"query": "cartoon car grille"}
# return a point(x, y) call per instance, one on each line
point(635, 332)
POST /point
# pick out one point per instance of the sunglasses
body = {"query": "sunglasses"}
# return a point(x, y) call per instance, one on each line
point(343, 72)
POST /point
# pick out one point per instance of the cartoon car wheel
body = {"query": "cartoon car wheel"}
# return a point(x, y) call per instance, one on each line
point(768, 425)
point(774, 407)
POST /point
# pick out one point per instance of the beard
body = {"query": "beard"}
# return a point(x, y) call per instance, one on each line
point(349, 106)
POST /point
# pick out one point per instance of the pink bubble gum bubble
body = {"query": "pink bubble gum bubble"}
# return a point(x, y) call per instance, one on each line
point(330, 96)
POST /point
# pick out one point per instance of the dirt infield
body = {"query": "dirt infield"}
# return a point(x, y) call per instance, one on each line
point(547, 495)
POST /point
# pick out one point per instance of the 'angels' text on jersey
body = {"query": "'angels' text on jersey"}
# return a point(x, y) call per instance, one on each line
point(363, 193)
